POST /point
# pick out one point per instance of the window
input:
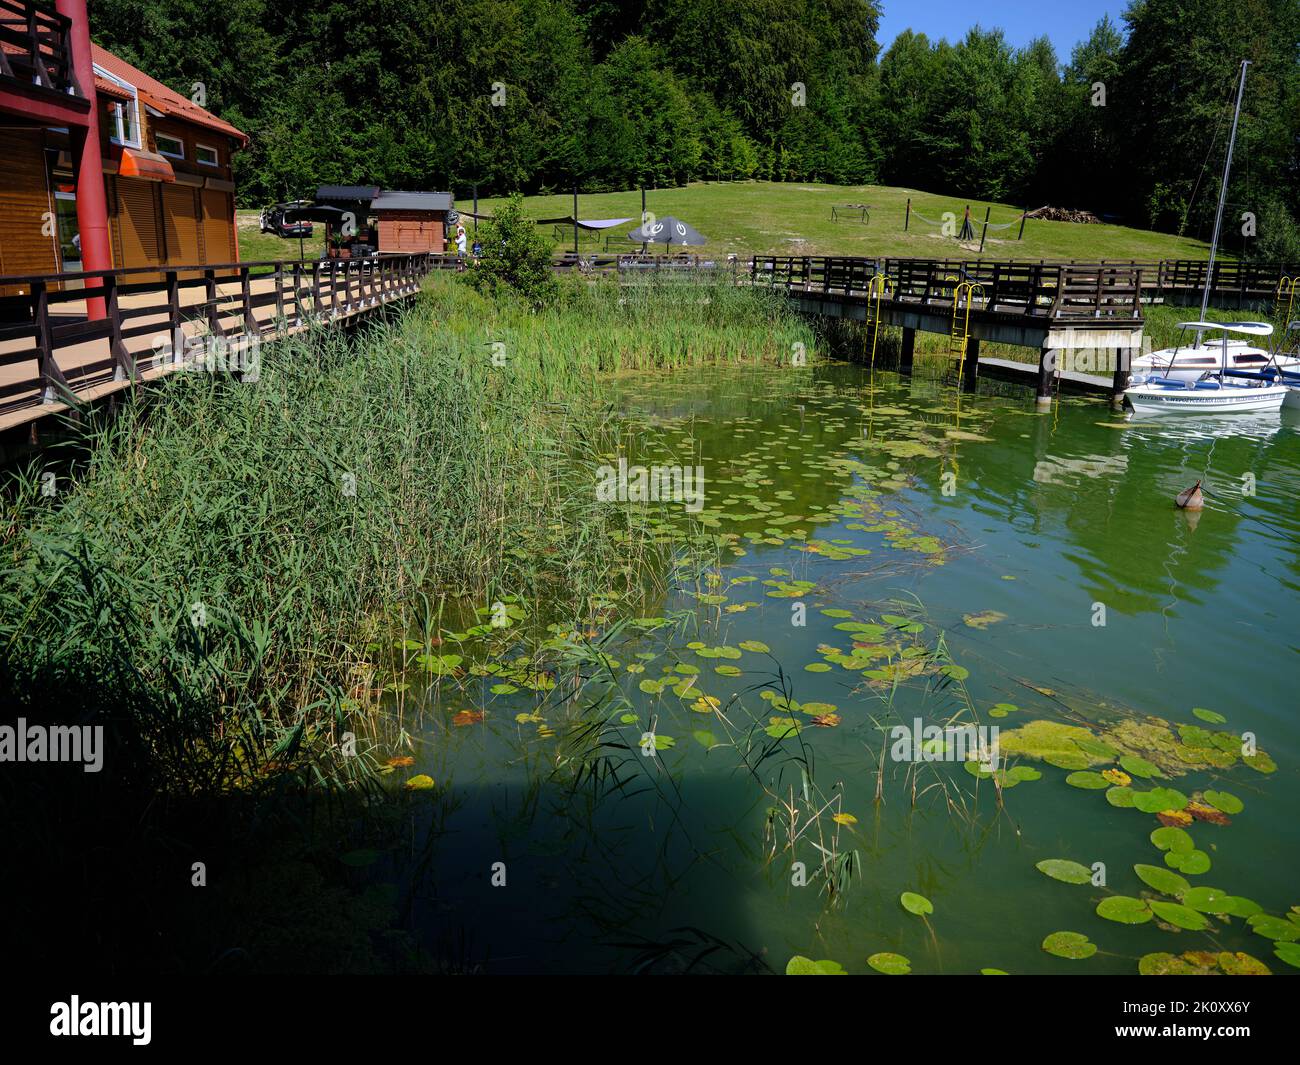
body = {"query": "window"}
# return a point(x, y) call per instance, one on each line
point(206, 155)
point(172, 146)
point(123, 115)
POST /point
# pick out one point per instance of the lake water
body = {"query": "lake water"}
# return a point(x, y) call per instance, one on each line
point(976, 556)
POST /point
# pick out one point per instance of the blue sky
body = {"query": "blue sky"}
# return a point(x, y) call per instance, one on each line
point(1065, 22)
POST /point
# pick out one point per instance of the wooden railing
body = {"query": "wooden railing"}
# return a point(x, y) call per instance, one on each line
point(51, 352)
point(39, 47)
point(1036, 290)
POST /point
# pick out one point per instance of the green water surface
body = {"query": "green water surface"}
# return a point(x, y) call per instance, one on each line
point(997, 539)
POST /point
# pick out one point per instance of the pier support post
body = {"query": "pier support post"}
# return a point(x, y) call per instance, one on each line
point(1047, 360)
point(971, 365)
point(908, 351)
point(1122, 363)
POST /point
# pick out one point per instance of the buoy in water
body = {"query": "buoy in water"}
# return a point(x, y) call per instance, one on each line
point(1191, 498)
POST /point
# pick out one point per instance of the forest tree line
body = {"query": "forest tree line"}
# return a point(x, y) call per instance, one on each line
point(546, 95)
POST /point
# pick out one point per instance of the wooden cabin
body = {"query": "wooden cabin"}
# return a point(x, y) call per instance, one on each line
point(412, 222)
point(165, 161)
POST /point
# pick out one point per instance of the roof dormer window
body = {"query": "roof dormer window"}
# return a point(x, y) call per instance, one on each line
point(124, 115)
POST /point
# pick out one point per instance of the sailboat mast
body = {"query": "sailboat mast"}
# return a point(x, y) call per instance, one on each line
point(1223, 195)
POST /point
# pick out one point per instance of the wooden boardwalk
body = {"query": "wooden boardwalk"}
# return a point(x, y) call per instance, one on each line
point(57, 357)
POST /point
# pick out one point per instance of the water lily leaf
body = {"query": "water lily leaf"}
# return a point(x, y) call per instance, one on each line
point(1088, 781)
point(421, 782)
point(1274, 928)
point(1163, 880)
point(651, 686)
point(1206, 899)
point(890, 964)
point(1117, 777)
point(1209, 715)
point(754, 645)
point(1179, 916)
point(1172, 839)
point(1202, 812)
point(1288, 952)
point(1240, 964)
point(1236, 906)
point(920, 905)
point(844, 819)
point(1074, 945)
point(1158, 799)
point(1139, 766)
point(1165, 964)
point(994, 972)
point(1260, 762)
point(817, 667)
point(1003, 709)
point(782, 728)
point(1065, 870)
point(1189, 862)
point(1120, 797)
point(1124, 910)
point(983, 619)
point(1222, 800)
point(801, 966)
point(704, 738)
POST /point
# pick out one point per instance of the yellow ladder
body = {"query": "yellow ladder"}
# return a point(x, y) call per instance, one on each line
point(960, 329)
point(1287, 289)
point(877, 289)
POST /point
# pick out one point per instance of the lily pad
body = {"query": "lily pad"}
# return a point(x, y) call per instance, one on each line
point(1163, 880)
point(1172, 839)
point(1074, 945)
point(1222, 800)
point(1189, 862)
point(890, 964)
point(1065, 870)
point(1088, 781)
point(801, 966)
point(1179, 916)
point(1209, 715)
point(920, 905)
point(1124, 910)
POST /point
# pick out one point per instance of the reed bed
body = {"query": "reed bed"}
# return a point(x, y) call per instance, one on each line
point(221, 560)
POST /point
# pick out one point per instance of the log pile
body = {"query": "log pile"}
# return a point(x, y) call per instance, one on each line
point(1065, 214)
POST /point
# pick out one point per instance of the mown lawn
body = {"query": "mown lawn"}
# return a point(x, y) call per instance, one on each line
point(795, 219)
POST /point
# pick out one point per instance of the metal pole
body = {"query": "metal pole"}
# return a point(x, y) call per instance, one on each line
point(1223, 195)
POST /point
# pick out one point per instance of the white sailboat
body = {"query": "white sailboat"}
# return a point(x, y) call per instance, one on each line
point(1187, 380)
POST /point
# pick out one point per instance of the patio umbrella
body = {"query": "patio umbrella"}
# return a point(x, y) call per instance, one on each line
point(331, 216)
point(667, 230)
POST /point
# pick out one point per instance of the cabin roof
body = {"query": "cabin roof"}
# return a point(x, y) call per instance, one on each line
point(168, 101)
point(347, 192)
point(412, 201)
point(1256, 329)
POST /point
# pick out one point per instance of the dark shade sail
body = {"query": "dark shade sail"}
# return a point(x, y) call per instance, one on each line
point(668, 230)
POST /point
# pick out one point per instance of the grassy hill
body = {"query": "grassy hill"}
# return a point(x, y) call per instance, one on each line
point(795, 219)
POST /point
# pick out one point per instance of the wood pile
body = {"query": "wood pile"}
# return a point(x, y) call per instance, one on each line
point(1065, 214)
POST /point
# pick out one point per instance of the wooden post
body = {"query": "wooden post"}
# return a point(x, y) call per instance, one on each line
point(210, 290)
point(1120, 383)
point(125, 368)
point(55, 385)
point(575, 221)
point(1023, 215)
point(1046, 372)
point(279, 296)
point(246, 297)
point(971, 365)
point(985, 232)
point(908, 351)
point(174, 314)
point(907, 218)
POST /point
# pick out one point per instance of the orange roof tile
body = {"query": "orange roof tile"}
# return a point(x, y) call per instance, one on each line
point(161, 98)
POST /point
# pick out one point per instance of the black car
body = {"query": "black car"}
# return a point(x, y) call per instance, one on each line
point(273, 220)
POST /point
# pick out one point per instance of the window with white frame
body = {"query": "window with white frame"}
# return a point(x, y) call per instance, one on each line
point(124, 115)
point(172, 146)
point(207, 155)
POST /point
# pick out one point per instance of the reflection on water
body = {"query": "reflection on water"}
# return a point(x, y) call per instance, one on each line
point(994, 538)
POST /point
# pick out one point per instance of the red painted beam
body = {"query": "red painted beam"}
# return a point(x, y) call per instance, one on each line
point(39, 106)
point(92, 203)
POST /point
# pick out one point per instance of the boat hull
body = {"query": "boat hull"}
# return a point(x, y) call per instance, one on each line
point(1149, 400)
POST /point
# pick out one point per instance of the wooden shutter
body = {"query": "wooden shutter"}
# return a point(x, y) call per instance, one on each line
point(138, 224)
point(181, 221)
point(217, 229)
point(24, 199)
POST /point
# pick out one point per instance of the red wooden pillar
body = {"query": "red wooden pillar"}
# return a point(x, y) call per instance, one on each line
point(92, 203)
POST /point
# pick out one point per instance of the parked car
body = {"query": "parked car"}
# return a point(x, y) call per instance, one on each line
point(273, 220)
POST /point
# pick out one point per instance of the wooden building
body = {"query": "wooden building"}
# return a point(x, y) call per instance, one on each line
point(165, 162)
point(413, 221)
